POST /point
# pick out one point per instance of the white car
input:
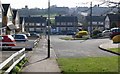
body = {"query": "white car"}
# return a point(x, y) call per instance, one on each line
point(106, 33)
point(20, 37)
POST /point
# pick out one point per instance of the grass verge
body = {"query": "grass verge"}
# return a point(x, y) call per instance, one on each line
point(89, 64)
point(117, 50)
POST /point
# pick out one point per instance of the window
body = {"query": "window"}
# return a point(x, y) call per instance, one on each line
point(31, 24)
point(37, 24)
point(31, 29)
point(100, 23)
point(63, 23)
point(94, 23)
point(10, 19)
point(26, 24)
point(38, 29)
point(43, 24)
point(69, 23)
point(58, 23)
point(70, 28)
point(63, 28)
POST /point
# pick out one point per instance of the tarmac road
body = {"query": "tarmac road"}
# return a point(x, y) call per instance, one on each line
point(78, 48)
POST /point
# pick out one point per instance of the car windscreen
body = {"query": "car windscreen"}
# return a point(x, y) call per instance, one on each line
point(19, 37)
point(116, 30)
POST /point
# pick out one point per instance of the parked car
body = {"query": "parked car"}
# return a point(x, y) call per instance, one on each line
point(114, 32)
point(106, 33)
point(27, 34)
point(20, 37)
point(70, 33)
point(34, 35)
point(7, 40)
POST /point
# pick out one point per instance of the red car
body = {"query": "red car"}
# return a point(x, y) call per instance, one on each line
point(114, 32)
point(8, 40)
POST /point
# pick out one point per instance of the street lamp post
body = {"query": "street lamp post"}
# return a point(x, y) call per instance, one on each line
point(48, 29)
point(91, 19)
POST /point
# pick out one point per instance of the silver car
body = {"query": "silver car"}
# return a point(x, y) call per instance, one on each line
point(106, 33)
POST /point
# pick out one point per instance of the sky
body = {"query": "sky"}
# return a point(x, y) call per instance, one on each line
point(44, 3)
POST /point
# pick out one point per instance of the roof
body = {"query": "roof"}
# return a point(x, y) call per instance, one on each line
point(5, 7)
point(95, 18)
point(114, 17)
point(34, 19)
point(14, 14)
point(1, 6)
point(66, 19)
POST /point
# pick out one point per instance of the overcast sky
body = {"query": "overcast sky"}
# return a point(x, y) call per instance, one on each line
point(44, 3)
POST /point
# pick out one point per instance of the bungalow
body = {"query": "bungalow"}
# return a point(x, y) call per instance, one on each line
point(97, 22)
point(7, 19)
point(66, 24)
point(35, 24)
point(112, 20)
point(16, 20)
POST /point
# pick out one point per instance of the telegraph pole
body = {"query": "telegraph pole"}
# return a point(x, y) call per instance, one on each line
point(48, 29)
point(91, 19)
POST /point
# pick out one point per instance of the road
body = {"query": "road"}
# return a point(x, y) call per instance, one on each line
point(5, 54)
point(78, 48)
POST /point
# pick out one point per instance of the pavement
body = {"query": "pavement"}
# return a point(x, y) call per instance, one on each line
point(38, 61)
point(110, 44)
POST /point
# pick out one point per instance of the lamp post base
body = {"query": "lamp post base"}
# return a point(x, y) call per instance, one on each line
point(48, 48)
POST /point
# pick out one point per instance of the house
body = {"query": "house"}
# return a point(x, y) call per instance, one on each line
point(22, 24)
point(7, 19)
point(2, 27)
point(35, 24)
point(112, 20)
point(66, 24)
point(16, 20)
point(1, 9)
point(97, 22)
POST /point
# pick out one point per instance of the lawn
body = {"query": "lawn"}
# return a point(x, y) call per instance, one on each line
point(88, 64)
point(117, 50)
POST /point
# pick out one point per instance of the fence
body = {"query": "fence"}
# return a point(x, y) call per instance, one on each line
point(12, 61)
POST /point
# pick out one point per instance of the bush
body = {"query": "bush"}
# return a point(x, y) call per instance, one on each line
point(16, 69)
point(116, 39)
point(96, 33)
point(81, 33)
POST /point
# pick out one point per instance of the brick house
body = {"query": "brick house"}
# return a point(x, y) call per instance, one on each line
point(66, 24)
point(97, 22)
point(35, 24)
point(112, 20)
point(7, 19)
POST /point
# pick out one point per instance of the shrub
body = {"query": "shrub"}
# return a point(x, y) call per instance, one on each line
point(116, 39)
point(96, 32)
point(16, 69)
point(81, 33)
point(20, 64)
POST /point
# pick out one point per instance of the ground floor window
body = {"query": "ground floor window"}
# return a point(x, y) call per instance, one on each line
point(31, 29)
